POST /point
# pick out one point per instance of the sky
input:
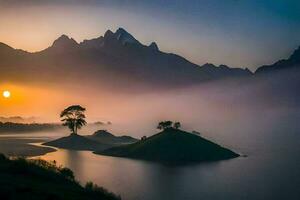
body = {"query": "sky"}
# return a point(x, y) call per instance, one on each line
point(238, 33)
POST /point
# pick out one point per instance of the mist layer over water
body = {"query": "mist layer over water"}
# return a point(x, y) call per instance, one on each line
point(259, 120)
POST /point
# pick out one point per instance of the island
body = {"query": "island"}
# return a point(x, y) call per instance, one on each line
point(100, 140)
point(73, 117)
point(172, 145)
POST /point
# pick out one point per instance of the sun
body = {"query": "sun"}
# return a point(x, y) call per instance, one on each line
point(6, 94)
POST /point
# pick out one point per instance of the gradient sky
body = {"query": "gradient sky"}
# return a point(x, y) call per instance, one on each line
point(239, 33)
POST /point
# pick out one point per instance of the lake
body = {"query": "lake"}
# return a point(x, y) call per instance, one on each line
point(264, 126)
point(271, 171)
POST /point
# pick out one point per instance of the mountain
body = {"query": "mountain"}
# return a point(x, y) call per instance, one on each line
point(172, 146)
point(18, 119)
point(77, 142)
point(106, 137)
point(293, 62)
point(11, 127)
point(221, 71)
point(116, 59)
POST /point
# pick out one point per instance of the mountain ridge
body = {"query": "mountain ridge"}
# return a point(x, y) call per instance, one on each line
point(116, 59)
point(291, 62)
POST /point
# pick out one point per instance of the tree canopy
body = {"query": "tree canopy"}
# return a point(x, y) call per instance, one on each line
point(73, 117)
point(163, 125)
point(177, 125)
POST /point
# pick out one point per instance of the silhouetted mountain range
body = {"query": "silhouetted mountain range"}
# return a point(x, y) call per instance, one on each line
point(292, 62)
point(115, 59)
point(10, 127)
point(18, 119)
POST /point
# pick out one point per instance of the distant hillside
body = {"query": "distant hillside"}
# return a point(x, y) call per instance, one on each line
point(38, 180)
point(77, 142)
point(106, 137)
point(18, 119)
point(115, 59)
point(293, 62)
point(99, 141)
point(9, 127)
point(172, 145)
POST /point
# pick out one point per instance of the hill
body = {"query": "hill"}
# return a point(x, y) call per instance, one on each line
point(106, 137)
point(172, 145)
point(77, 142)
point(18, 119)
point(39, 180)
point(11, 127)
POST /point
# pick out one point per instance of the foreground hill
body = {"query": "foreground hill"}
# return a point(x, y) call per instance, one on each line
point(106, 137)
point(172, 145)
point(38, 180)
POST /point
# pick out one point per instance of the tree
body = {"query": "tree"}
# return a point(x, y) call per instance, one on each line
point(177, 125)
point(160, 125)
point(164, 125)
point(144, 138)
point(73, 117)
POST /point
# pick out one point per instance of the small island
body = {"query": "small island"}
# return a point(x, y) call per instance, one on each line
point(74, 118)
point(100, 140)
point(172, 145)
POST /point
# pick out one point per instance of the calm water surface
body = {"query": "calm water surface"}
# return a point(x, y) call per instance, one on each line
point(269, 172)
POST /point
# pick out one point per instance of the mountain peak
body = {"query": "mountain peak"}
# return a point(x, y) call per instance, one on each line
point(124, 37)
point(64, 41)
point(108, 33)
point(296, 55)
point(154, 46)
point(121, 31)
point(103, 133)
point(209, 65)
point(224, 66)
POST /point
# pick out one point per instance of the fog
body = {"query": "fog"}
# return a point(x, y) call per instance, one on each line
point(257, 117)
point(226, 110)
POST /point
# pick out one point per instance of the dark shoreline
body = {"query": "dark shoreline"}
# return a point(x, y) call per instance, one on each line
point(23, 147)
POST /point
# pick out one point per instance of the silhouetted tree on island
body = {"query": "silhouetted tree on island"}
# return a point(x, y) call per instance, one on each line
point(177, 125)
point(144, 138)
point(164, 125)
point(73, 117)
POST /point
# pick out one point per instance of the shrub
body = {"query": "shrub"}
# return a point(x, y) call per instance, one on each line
point(100, 191)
